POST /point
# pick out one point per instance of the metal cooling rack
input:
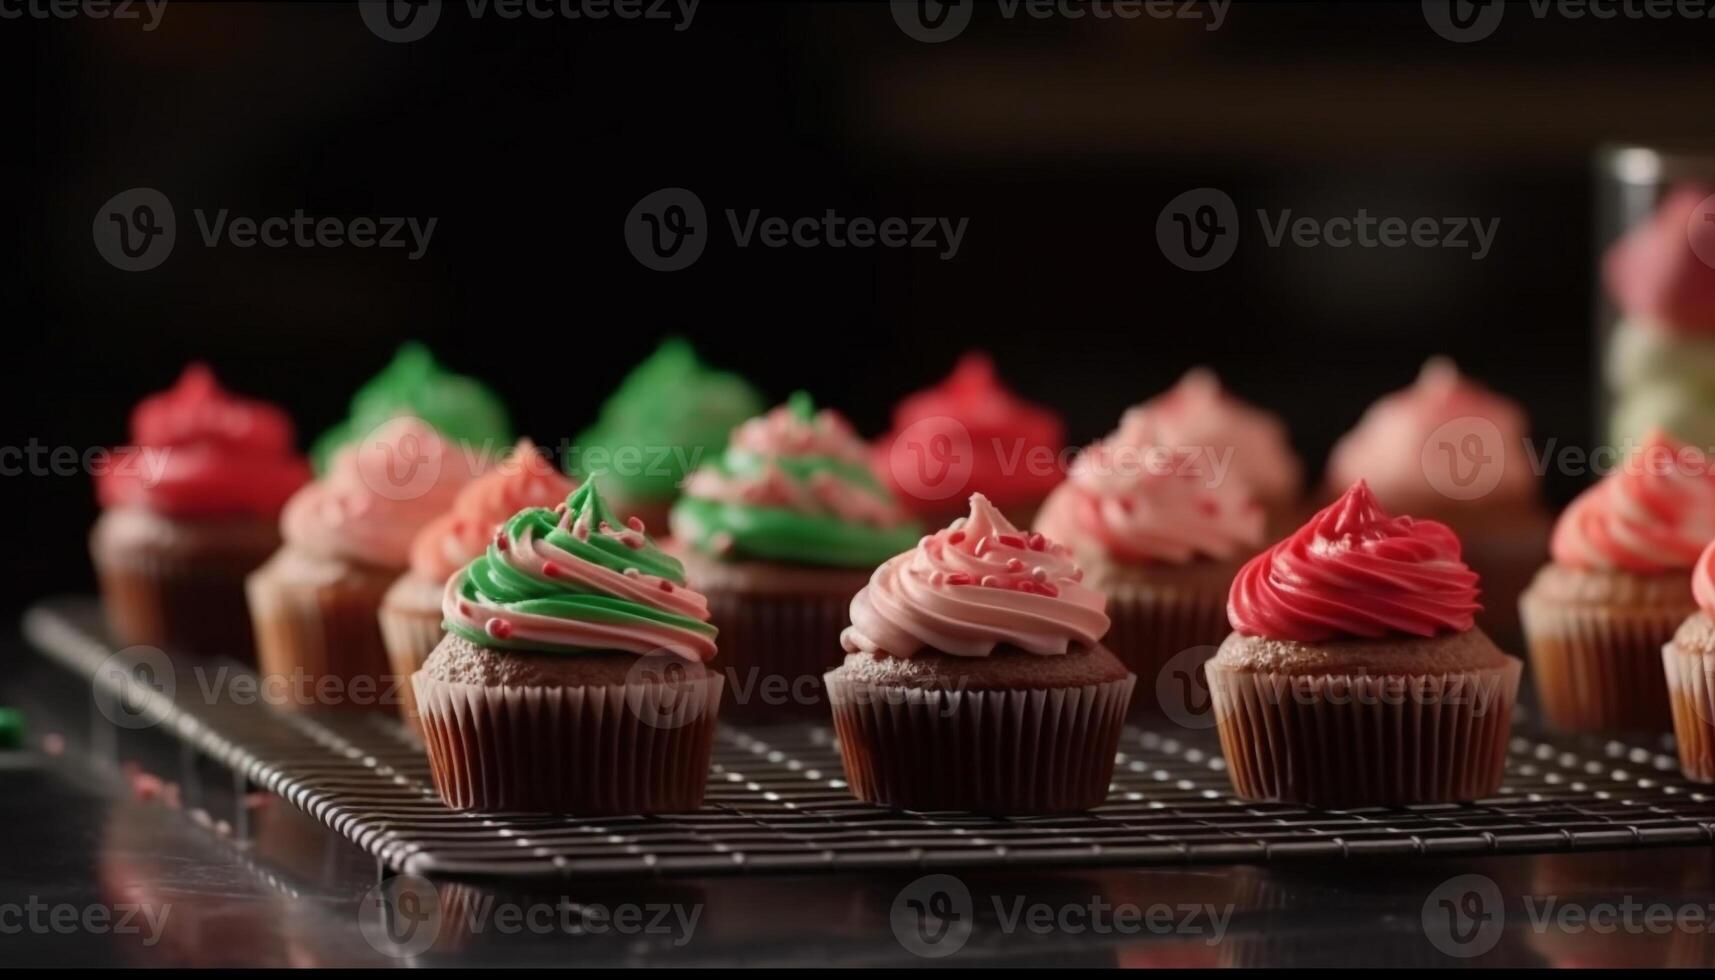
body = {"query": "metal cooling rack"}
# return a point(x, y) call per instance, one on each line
point(777, 800)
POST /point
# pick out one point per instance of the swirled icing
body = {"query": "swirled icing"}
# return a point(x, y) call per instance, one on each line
point(523, 479)
point(1657, 274)
point(1197, 413)
point(1654, 513)
point(1703, 581)
point(460, 408)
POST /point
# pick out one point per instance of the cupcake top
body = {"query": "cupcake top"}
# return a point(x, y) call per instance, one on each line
point(1703, 581)
point(460, 408)
point(1444, 440)
point(574, 579)
point(377, 494)
point(1197, 413)
point(1661, 274)
point(1354, 572)
point(1013, 445)
point(1131, 499)
point(794, 485)
point(523, 479)
point(201, 452)
point(670, 412)
point(1652, 514)
point(978, 584)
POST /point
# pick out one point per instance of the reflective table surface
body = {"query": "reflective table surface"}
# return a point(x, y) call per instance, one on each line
point(118, 854)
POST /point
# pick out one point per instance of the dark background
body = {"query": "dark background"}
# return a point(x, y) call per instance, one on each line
point(1060, 140)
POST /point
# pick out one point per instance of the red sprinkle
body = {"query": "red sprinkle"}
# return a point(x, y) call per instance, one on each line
point(464, 609)
point(500, 540)
point(631, 541)
point(635, 523)
point(955, 537)
point(500, 629)
point(959, 578)
point(666, 586)
point(1010, 540)
point(550, 569)
point(1208, 507)
point(1036, 541)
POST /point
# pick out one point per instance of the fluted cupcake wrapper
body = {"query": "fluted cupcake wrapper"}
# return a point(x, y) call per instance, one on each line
point(410, 636)
point(319, 645)
point(194, 604)
point(1364, 740)
point(1597, 669)
point(1691, 693)
point(774, 650)
point(1170, 630)
point(1000, 752)
point(588, 751)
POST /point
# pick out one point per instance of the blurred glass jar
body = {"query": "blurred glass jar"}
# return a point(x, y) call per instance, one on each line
point(1655, 316)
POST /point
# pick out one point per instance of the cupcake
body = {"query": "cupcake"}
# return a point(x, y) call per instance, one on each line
point(971, 435)
point(1660, 361)
point(347, 539)
point(411, 609)
point(670, 414)
point(780, 532)
point(1450, 450)
point(1161, 533)
point(1616, 589)
point(459, 408)
point(1197, 414)
point(188, 510)
point(1689, 661)
point(1355, 675)
point(975, 678)
point(571, 678)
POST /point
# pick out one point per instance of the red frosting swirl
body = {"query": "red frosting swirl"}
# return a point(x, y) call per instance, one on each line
point(1355, 572)
point(199, 451)
point(1658, 274)
point(1653, 514)
point(525, 478)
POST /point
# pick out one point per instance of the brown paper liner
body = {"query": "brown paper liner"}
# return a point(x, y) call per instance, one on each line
point(1153, 625)
point(1691, 693)
point(318, 640)
point(999, 752)
point(591, 751)
point(410, 628)
point(1364, 740)
point(1597, 669)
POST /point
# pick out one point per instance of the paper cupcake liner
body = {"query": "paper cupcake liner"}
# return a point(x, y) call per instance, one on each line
point(1691, 694)
point(1156, 630)
point(1597, 669)
point(588, 751)
point(999, 752)
point(1364, 740)
point(193, 603)
point(775, 649)
point(410, 636)
point(318, 645)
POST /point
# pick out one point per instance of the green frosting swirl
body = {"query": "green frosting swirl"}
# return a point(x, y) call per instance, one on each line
point(459, 407)
point(496, 581)
point(671, 411)
point(739, 531)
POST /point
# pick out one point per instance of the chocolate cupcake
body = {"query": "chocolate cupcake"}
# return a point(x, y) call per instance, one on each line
point(190, 509)
point(571, 679)
point(1689, 662)
point(1355, 675)
point(1617, 587)
point(780, 533)
point(411, 609)
point(1162, 532)
point(975, 678)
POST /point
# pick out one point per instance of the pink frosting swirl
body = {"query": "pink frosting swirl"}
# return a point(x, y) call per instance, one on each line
point(1703, 581)
point(377, 494)
point(1355, 572)
point(1136, 502)
point(1198, 413)
point(1657, 275)
point(978, 584)
point(1391, 449)
point(523, 479)
point(1653, 514)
